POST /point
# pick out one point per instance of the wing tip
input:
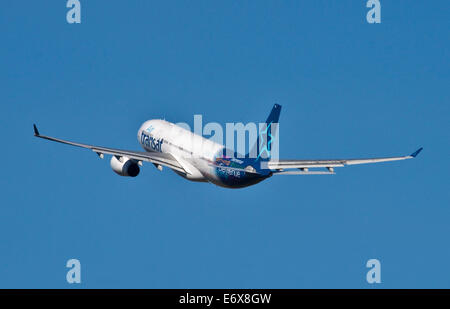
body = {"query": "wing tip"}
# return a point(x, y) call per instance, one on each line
point(36, 131)
point(415, 153)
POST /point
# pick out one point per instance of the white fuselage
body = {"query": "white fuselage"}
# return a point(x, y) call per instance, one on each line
point(195, 153)
point(202, 159)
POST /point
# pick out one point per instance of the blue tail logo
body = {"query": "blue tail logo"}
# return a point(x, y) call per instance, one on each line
point(266, 136)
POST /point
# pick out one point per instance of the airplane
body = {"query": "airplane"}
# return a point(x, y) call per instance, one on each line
point(170, 145)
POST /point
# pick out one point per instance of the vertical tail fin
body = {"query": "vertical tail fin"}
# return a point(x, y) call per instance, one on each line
point(274, 114)
point(264, 141)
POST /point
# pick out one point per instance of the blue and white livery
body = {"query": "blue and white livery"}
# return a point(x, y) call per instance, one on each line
point(199, 159)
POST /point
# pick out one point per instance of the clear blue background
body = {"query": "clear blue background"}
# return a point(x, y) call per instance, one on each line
point(348, 89)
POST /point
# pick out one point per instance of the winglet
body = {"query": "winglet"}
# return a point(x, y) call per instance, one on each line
point(36, 132)
point(415, 153)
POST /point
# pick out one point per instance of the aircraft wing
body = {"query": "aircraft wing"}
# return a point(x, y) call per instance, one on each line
point(156, 158)
point(298, 167)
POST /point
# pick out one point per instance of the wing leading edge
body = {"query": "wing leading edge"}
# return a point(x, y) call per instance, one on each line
point(156, 158)
point(298, 167)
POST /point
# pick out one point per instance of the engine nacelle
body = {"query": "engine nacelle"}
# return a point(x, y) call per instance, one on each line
point(124, 166)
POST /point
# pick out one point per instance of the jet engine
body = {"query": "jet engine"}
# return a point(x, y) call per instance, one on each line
point(124, 166)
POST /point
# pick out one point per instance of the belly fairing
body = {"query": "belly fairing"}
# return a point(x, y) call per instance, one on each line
point(235, 173)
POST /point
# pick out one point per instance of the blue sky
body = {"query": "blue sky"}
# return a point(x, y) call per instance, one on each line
point(348, 89)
